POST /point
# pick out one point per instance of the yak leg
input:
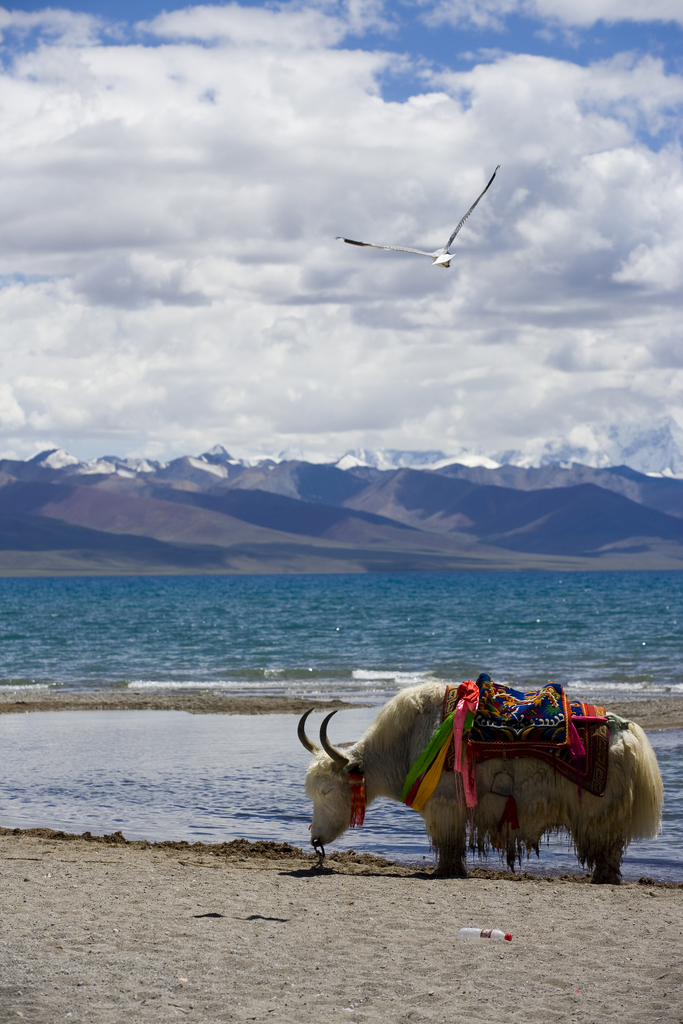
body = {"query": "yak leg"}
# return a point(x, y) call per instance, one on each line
point(452, 853)
point(607, 867)
point(446, 826)
point(604, 860)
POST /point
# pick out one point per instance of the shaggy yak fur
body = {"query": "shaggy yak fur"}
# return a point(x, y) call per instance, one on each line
point(601, 828)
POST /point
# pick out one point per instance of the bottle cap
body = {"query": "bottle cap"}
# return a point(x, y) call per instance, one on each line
point(508, 937)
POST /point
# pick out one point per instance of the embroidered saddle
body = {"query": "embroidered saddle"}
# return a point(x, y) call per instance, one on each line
point(537, 723)
point(539, 717)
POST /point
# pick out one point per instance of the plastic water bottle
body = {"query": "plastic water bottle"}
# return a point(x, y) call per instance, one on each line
point(484, 933)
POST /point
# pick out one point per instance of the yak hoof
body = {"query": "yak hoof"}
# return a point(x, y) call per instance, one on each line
point(450, 871)
point(606, 876)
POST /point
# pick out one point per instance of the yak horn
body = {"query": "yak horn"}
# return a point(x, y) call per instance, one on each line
point(312, 748)
point(339, 759)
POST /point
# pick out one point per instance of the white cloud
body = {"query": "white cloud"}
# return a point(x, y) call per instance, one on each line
point(168, 212)
point(291, 25)
point(578, 13)
point(243, 26)
point(11, 413)
point(71, 27)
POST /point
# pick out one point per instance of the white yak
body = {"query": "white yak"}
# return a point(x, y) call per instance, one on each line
point(601, 828)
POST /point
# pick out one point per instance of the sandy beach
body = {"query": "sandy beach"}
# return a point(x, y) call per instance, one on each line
point(104, 931)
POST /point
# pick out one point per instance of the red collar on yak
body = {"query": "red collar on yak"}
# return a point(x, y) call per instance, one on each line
point(342, 762)
point(357, 780)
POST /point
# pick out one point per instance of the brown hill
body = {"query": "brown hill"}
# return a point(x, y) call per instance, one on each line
point(583, 520)
point(406, 520)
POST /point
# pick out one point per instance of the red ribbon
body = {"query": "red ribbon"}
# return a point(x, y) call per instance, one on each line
point(509, 815)
point(575, 745)
point(357, 780)
point(509, 819)
point(468, 700)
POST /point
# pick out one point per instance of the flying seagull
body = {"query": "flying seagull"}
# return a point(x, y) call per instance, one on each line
point(440, 257)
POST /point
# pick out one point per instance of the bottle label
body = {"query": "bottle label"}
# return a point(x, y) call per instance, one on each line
point(486, 934)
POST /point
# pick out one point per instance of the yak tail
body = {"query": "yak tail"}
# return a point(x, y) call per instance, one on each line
point(647, 792)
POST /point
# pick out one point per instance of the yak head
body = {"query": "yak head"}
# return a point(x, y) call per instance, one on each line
point(328, 784)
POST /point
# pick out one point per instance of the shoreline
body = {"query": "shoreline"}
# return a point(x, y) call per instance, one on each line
point(248, 853)
point(193, 703)
point(650, 713)
point(100, 929)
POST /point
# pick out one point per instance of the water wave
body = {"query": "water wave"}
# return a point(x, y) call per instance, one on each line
point(321, 688)
point(14, 686)
point(643, 687)
point(402, 678)
point(174, 684)
point(374, 685)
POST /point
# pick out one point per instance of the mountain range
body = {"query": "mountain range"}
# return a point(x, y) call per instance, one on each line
point(654, 447)
point(214, 514)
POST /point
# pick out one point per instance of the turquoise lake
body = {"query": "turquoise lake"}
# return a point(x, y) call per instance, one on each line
point(363, 636)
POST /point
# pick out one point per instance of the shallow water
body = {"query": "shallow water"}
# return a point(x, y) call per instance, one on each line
point(170, 775)
point(600, 634)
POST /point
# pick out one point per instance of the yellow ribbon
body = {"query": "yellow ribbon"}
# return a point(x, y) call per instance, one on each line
point(431, 780)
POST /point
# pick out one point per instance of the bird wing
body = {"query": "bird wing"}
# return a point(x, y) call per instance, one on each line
point(450, 241)
point(394, 248)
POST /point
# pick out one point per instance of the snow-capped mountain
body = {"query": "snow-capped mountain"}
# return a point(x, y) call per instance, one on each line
point(393, 510)
point(392, 458)
point(655, 448)
point(59, 459)
point(216, 461)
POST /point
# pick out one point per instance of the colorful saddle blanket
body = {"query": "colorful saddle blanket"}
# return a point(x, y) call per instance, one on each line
point(537, 723)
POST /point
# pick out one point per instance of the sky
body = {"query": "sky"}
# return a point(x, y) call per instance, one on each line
point(173, 180)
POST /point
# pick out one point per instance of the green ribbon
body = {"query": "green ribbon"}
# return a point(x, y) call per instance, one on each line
point(441, 736)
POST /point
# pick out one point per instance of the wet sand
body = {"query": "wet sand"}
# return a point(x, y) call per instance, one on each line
point(194, 703)
point(654, 713)
point(103, 931)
